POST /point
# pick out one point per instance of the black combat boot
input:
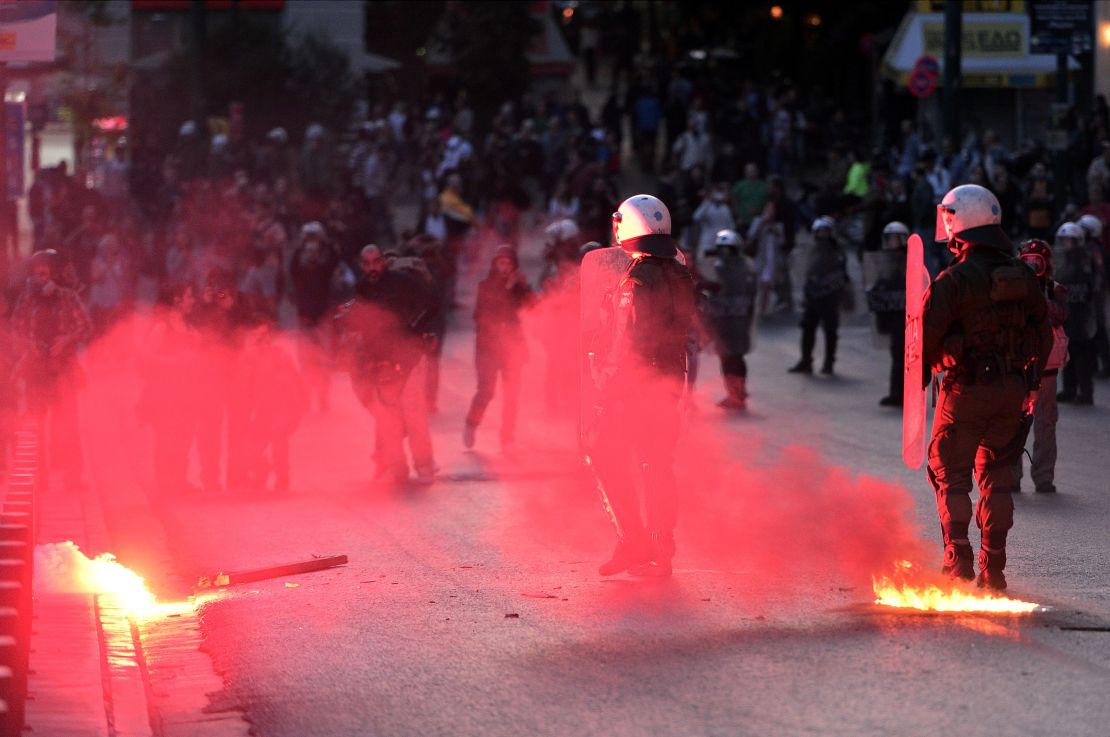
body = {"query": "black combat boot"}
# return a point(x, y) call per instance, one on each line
point(958, 561)
point(662, 553)
point(991, 563)
point(631, 551)
point(801, 367)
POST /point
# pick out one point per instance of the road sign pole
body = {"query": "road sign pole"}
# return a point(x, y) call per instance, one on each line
point(1059, 165)
point(953, 48)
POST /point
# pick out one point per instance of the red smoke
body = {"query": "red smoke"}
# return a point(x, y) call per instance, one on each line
point(784, 523)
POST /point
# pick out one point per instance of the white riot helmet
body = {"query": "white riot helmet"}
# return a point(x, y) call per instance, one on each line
point(1092, 225)
point(728, 238)
point(1070, 235)
point(895, 235)
point(562, 230)
point(823, 223)
point(642, 224)
point(312, 229)
point(970, 214)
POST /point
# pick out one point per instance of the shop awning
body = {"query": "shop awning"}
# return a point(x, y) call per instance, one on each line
point(995, 51)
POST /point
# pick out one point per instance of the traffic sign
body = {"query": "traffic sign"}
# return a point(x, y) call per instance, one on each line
point(927, 63)
point(922, 83)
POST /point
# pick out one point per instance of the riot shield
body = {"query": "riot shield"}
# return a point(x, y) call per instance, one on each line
point(884, 280)
point(598, 278)
point(914, 394)
point(884, 289)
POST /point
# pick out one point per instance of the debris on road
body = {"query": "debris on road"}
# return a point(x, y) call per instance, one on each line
point(259, 574)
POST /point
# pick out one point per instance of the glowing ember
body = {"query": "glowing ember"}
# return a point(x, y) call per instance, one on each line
point(902, 592)
point(63, 568)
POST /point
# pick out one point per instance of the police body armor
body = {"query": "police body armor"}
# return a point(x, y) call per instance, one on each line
point(730, 309)
point(649, 317)
point(1075, 269)
point(664, 300)
point(992, 337)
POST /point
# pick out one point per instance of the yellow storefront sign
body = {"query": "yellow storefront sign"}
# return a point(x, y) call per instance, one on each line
point(984, 40)
point(974, 6)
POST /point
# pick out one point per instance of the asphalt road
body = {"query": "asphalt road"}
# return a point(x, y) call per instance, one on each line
point(473, 607)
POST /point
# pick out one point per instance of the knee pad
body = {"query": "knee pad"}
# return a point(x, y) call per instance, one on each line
point(994, 559)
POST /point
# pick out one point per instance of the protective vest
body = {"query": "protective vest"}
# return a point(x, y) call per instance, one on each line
point(735, 299)
point(660, 293)
point(992, 335)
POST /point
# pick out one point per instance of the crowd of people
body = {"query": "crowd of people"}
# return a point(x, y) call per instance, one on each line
point(247, 236)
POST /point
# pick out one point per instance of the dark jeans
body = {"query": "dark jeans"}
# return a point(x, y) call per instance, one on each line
point(490, 364)
point(1079, 372)
point(826, 313)
point(734, 366)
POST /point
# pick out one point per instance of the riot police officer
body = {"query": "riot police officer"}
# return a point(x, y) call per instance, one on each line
point(640, 373)
point(986, 325)
point(731, 309)
point(826, 279)
point(1077, 270)
point(886, 298)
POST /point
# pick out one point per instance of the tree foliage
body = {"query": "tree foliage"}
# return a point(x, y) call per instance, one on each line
point(280, 81)
point(490, 41)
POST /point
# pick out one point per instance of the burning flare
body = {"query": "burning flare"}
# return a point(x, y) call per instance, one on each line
point(907, 589)
point(62, 568)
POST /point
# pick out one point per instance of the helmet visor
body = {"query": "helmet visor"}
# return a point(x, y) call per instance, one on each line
point(946, 216)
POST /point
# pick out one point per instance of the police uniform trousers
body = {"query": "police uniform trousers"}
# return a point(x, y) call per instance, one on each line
point(637, 434)
point(972, 427)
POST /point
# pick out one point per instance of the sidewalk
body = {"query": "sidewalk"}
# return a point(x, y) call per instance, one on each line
point(96, 671)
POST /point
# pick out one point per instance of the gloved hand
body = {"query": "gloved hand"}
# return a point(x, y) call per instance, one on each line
point(1029, 403)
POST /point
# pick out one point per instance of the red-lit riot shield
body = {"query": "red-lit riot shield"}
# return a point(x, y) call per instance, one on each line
point(599, 276)
point(914, 394)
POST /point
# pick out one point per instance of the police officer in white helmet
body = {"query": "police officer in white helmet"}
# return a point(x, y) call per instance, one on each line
point(1092, 228)
point(886, 299)
point(826, 279)
point(640, 375)
point(986, 326)
point(730, 307)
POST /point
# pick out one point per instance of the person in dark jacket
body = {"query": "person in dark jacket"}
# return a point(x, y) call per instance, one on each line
point(499, 344)
point(639, 372)
point(985, 323)
point(387, 327)
point(1077, 271)
point(826, 279)
point(50, 323)
point(169, 399)
point(731, 309)
point(220, 317)
point(310, 272)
